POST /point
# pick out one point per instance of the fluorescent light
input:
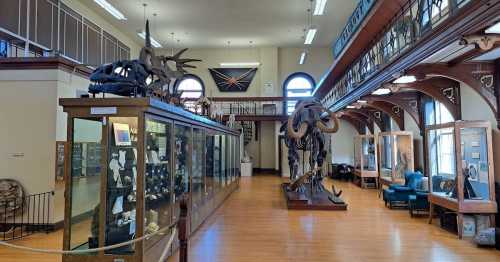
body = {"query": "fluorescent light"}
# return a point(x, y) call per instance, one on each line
point(311, 33)
point(111, 9)
point(153, 41)
point(405, 80)
point(494, 29)
point(351, 107)
point(303, 57)
point(319, 9)
point(381, 91)
point(240, 64)
point(362, 101)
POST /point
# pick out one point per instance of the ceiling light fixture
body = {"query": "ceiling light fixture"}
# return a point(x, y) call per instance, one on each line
point(405, 80)
point(311, 33)
point(111, 9)
point(350, 107)
point(494, 29)
point(303, 57)
point(240, 64)
point(155, 43)
point(381, 91)
point(362, 101)
point(319, 9)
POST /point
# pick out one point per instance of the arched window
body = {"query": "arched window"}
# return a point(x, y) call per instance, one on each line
point(297, 85)
point(192, 88)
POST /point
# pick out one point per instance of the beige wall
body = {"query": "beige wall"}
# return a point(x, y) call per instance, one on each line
point(276, 65)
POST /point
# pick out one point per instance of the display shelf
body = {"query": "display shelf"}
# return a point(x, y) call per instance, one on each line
point(396, 156)
point(145, 155)
point(365, 159)
point(460, 165)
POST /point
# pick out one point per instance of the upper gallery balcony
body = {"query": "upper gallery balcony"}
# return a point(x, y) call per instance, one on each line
point(390, 33)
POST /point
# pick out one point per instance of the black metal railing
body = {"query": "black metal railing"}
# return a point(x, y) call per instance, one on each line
point(415, 20)
point(23, 216)
point(356, 18)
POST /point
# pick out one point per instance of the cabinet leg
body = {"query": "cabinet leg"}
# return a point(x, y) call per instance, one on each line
point(431, 212)
point(460, 225)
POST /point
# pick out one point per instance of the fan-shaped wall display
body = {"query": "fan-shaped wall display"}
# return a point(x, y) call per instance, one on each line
point(233, 79)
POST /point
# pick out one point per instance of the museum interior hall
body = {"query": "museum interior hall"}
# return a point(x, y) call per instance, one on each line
point(249, 130)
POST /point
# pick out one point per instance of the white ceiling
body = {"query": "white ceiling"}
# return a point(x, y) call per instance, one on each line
point(212, 23)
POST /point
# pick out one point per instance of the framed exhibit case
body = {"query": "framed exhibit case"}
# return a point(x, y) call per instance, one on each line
point(396, 156)
point(143, 155)
point(460, 167)
point(365, 160)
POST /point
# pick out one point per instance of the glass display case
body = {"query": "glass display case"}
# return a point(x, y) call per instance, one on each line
point(460, 164)
point(365, 160)
point(145, 155)
point(396, 156)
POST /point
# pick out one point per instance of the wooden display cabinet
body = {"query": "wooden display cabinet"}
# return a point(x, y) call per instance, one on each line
point(395, 156)
point(460, 167)
point(151, 153)
point(365, 159)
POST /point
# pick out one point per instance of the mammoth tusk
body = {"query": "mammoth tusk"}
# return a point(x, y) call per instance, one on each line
point(299, 134)
point(326, 129)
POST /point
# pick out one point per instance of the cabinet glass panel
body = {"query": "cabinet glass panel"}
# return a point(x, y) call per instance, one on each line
point(223, 161)
point(198, 180)
point(402, 144)
point(182, 142)
point(217, 163)
point(85, 189)
point(386, 158)
point(475, 166)
point(368, 154)
point(121, 184)
point(441, 146)
point(158, 195)
point(209, 163)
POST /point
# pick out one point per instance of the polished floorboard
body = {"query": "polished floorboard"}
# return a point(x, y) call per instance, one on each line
point(254, 225)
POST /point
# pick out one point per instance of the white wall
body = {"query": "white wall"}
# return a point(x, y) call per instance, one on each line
point(474, 107)
point(343, 143)
point(29, 104)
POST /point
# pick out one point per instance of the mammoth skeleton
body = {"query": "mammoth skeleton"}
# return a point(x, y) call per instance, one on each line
point(305, 131)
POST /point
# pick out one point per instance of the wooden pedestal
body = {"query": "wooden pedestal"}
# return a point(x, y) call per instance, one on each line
point(304, 200)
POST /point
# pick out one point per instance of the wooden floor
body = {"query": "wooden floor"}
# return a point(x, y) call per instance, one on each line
point(254, 225)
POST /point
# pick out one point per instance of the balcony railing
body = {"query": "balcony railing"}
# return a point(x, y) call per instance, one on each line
point(247, 106)
point(357, 17)
point(416, 19)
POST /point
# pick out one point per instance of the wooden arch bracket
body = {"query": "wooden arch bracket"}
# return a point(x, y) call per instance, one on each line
point(479, 76)
point(359, 126)
point(360, 118)
point(485, 42)
point(394, 111)
point(444, 90)
point(408, 101)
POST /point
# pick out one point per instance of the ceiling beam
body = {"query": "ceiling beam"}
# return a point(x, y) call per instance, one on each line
point(361, 118)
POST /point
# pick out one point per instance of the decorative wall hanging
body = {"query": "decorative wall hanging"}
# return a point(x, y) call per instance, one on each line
point(233, 79)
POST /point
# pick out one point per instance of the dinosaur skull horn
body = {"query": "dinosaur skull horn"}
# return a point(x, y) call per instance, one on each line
point(326, 129)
